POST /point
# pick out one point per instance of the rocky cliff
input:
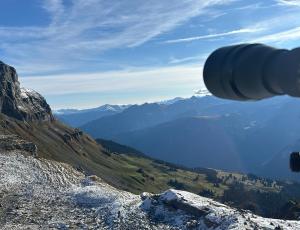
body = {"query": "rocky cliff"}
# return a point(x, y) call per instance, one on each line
point(20, 103)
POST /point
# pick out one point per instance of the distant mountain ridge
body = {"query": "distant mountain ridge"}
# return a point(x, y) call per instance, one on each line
point(148, 114)
point(256, 131)
point(77, 117)
point(100, 108)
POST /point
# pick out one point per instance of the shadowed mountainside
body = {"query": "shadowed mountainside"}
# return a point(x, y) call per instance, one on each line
point(76, 118)
point(253, 132)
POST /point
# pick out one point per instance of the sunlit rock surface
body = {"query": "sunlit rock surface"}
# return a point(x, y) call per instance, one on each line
point(20, 103)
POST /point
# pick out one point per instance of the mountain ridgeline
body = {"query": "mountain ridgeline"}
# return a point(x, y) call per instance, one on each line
point(254, 137)
point(75, 117)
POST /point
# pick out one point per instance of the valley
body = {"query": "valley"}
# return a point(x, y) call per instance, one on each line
point(250, 138)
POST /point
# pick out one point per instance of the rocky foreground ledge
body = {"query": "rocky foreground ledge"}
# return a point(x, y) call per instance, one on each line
point(44, 194)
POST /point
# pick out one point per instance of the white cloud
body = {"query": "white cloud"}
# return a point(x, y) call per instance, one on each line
point(197, 58)
point(280, 37)
point(253, 6)
point(216, 35)
point(278, 28)
point(289, 2)
point(163, 78)
point(85, 28)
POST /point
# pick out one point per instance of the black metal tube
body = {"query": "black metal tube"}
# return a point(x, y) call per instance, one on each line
point(252, 72)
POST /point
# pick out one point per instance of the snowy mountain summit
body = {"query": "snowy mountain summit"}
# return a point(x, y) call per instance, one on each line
point(42, 194)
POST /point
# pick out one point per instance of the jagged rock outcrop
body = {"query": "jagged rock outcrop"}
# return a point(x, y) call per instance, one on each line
point(20, 103)
point(75, 135)
point(185, 210)
point(14, 142)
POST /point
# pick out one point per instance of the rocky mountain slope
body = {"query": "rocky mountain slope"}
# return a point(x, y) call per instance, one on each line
point(42, 194)
point(26, 114)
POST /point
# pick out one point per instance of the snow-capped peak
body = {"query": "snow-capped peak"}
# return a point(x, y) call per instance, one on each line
point(202, 93)
point(171, 101)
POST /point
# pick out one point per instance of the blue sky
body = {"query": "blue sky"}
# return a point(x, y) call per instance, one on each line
point(84, 53)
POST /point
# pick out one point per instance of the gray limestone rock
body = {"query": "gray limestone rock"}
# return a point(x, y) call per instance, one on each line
point(20, 103)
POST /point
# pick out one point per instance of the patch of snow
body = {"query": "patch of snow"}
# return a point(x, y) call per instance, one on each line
point(202, 93)
point(43, 194)
point(25, 93)
point(171, 101)
point(217, 215)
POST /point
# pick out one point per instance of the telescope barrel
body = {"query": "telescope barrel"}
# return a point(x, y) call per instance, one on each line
point(252, 72)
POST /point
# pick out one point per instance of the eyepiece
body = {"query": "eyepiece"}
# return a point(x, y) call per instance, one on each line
point(252, 72)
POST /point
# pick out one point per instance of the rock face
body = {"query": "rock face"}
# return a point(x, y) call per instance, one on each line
point(75, 135)
point(185, 210)
point(13, 142)
point(19, 103)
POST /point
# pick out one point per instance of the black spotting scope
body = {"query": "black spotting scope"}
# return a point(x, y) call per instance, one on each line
point(252, 72)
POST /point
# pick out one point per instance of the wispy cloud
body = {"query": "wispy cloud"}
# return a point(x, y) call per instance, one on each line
point(85, 36)
point(85, 28)
point(216, 35)
point(289, 2)
point(116, 81)
point(280, 37)
point(84, 90)
point(197, 58)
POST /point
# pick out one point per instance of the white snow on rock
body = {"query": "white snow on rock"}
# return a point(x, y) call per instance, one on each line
point(26, 93)
point(216, 215)
point(170, 101)
point(43, 194)
point(202, 93)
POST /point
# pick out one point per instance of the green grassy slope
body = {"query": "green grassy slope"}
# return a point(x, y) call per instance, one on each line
point(265, 197)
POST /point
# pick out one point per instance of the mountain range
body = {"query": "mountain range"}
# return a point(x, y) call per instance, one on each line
point(76, 117)
point(210, 132)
